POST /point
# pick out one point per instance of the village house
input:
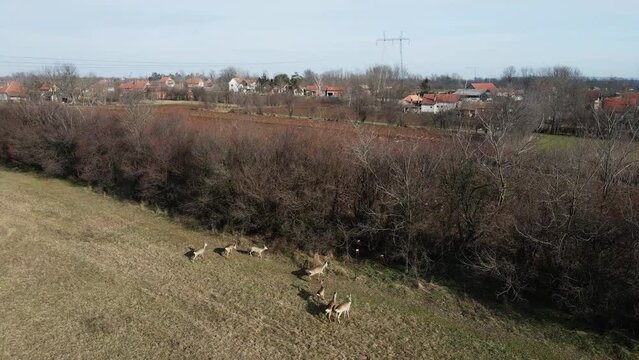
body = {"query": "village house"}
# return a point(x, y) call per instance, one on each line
point(472, 108)
point(14, 91)
point(194, 82)
point(242, 85)
point(411, 103)
point(436, 103)
point(632, 99)
point(472, 94)
point(412, 99)
point(328, 90)
point(490, 88)
point(628, 101)
point(48, 92)
point(134, 85)
point(159, 89)
point(166, 81)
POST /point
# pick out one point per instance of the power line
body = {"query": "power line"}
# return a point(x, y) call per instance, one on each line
point(401, 40)
point(149, 63)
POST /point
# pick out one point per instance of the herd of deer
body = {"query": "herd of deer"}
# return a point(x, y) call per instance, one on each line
point(333, 308)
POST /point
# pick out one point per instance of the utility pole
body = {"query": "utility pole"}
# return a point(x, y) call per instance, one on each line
point(401, 40)
point(474, 68)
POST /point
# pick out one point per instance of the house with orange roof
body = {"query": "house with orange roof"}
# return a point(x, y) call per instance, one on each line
point(166, 81)
point(194, 82)
point(412, 99)
point(489, 87)
point(436, 103)
point(135, 85)
point(13, 91)
point(48, 92)
point(626, 102)
point(617, 104)
point(631, 98)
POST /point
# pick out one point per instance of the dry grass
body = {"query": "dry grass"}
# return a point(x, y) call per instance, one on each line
point(85, 276)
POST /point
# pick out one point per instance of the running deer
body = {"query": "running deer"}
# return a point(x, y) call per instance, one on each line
point(320, 293)
point(344, 308)
point(257, 250)
point(199, 252)
point(229, 248)
point(331, 306)
point(318, 270)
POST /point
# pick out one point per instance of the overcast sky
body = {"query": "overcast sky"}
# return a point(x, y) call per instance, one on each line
point(132, 37)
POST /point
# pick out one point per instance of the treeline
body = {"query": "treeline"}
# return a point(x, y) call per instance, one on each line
point(550, 227)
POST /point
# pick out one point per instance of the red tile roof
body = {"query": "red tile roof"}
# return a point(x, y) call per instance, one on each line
point(412, 99)
point(615, 104)
point(631, 98)
point(14, 89)
point(447, 98)
point(193, 81)
point(428, 99)
point(164, 79)
point(45, 87)
point(431, 99)
point(134, 85)
point(484, 86)
point(246, 81)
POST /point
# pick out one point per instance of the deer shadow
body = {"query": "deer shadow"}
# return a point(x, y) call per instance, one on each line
point(190, 253)
point(219, 251)
point(312, 306)
point(301, 273)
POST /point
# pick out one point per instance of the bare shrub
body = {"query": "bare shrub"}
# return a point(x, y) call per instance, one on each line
point(552, 227)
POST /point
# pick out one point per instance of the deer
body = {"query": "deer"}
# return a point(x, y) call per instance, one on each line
point(257, 250)
point(344, 308)
point(318, 270)
point(330, 307)
point(229, 248)
point(199, 252)
point(320, 293)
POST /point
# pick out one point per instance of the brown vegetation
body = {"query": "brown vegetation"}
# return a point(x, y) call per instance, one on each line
point(555, 228)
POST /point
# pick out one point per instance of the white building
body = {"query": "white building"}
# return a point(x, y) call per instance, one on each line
point(166, 81)
point(436, 103)
point(242, 85)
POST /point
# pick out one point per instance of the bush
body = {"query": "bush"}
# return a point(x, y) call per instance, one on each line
point(553, 228)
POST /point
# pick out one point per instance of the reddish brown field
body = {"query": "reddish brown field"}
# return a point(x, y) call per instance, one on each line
point(200, 116)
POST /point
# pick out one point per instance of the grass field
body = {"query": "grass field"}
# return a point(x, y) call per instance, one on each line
point(549, 142)
point(85, 276)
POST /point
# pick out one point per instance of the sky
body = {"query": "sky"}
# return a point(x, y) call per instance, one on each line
point(133, 37)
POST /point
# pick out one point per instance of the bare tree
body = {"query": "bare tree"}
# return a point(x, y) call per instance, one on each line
point(508, 75)
point(289, 100)
point(508, 132)
point(65, 78)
